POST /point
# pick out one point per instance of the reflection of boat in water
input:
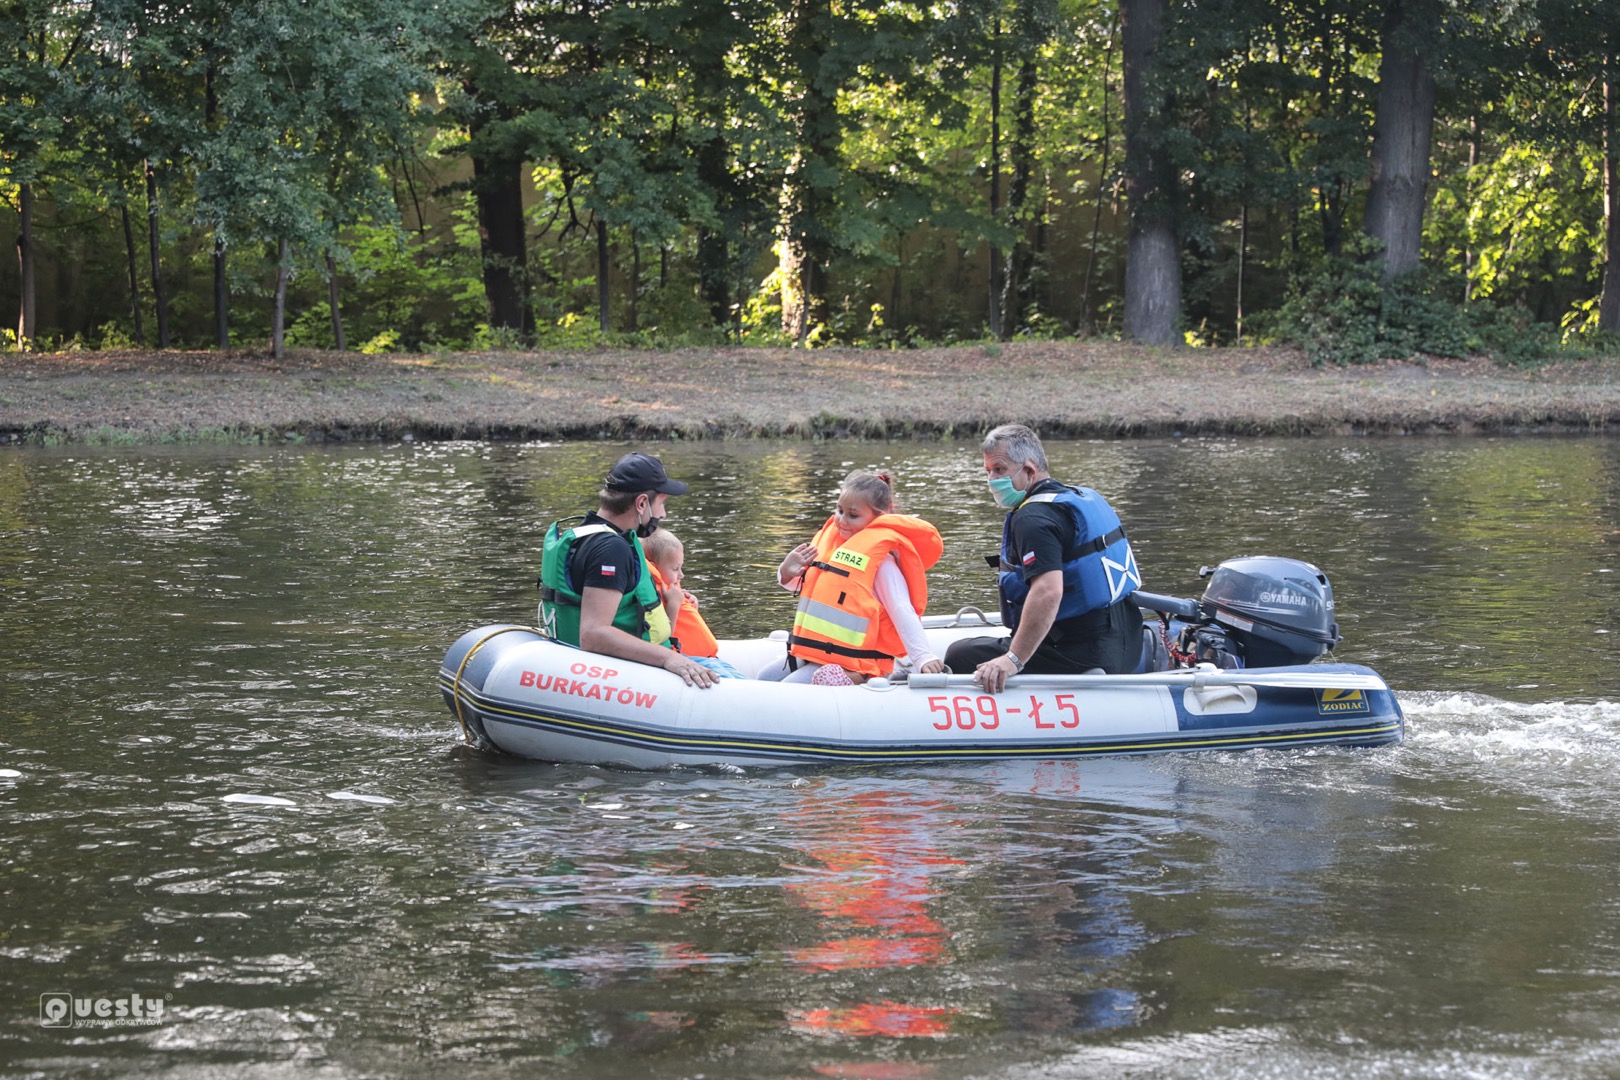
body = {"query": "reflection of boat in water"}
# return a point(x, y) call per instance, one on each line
point(519, 692)
point(872, 863)
point(877, 865)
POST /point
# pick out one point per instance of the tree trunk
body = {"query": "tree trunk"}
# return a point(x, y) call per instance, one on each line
point(160, 297)
point(713, 245)
point(278, 315)
point(222, 296)
point(1333, 99)
point(222, 288)
point(1609, 302)
point(1242, 263)
point(790, 282)
point(1102, 177)
point(1403, 128)
point(334, 299)
point(134, 274)
point(28, 287)
point(1015, 280)
point(604, 263)
point(806, 247)
point(996, 266)
point(1041, 295)
point(897, 283)
point(1152, 254)
point(1468, 199)
point(633, 316)
point(498, 191)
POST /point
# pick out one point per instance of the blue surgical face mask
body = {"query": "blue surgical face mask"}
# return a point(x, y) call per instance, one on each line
point(1007, 497)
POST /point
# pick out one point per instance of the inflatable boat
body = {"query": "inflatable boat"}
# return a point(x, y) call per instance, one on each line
point(1237, 669)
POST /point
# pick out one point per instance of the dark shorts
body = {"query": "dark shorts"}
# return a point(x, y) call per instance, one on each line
point(1109, 638)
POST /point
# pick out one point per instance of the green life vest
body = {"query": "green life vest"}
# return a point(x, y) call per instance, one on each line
point(640, 612)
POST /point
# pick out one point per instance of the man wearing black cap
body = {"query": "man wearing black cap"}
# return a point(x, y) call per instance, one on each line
point(595, 589)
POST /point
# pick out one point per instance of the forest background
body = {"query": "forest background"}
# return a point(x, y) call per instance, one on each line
point(1362, 179)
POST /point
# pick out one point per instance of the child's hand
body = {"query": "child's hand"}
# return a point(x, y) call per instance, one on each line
point(932, 667)
point(690, 599)
point(797, 561)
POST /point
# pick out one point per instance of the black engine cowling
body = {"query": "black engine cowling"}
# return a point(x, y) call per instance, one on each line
point(1274, 612)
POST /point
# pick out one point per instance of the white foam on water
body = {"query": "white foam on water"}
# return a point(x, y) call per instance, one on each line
point(1487, 725)
point(1565, 752)
point(355, 796)
point(9, 774)
point(257, 800)
point(1274, 1053)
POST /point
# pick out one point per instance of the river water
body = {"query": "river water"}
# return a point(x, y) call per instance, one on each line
point(237, 821)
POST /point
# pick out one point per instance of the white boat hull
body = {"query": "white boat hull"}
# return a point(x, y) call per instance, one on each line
point(520, 693)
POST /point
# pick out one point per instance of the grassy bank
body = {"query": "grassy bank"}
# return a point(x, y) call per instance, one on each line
point(1063, 389)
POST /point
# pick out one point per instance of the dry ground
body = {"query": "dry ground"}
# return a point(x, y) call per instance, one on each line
point(1063, 389)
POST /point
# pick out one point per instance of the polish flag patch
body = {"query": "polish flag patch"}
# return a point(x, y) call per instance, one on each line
point(1029, 558)
point(609, 571)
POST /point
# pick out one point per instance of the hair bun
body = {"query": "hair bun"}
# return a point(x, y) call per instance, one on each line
point(883, 475)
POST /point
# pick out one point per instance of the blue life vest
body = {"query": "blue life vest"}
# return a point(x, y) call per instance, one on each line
point(1098, 570)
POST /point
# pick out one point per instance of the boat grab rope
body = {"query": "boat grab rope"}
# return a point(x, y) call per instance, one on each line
point(1181, 658)
point(455, 684)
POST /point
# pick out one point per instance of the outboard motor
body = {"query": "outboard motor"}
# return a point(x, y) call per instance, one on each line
point(1278, 611)
point(1257, 611)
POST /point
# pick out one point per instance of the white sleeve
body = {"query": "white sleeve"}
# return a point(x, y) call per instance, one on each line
point(895, 596)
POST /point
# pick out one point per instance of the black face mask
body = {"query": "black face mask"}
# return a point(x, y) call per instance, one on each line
point(650, 526)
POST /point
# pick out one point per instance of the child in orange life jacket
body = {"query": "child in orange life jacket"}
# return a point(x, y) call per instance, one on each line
point(690, 634)
point(862, 588)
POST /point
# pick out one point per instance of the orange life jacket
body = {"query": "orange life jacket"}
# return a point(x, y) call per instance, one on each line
point(691, 634)
point(840, 619)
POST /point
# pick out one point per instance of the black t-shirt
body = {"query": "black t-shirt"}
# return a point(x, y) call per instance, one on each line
point(1108, 638)
point(1041, 533)
point(603, 560)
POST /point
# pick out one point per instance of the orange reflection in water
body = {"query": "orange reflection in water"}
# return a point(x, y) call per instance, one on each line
point(880, 861)
point(875, 1070)
point(877, 860)
point(875, 1018)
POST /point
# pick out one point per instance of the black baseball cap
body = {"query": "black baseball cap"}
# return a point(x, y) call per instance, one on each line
point(642, 472)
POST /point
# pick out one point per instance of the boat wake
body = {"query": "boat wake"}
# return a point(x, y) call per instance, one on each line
point(1565, 752)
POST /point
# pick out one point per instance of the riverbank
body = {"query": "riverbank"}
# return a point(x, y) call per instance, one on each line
point(1063, 389)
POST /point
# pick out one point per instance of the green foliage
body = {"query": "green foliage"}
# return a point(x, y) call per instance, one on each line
point(762, 315)
point(385, 342)
point(113, 336)
point(703, 132)
point(1341, 313)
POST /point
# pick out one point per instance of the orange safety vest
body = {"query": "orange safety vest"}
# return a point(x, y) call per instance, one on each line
point(691, 634)
point(840, 620)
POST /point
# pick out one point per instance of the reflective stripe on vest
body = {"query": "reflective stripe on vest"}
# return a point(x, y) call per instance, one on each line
point(834, 622)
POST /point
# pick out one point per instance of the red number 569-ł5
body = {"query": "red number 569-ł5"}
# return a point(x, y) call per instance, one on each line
point(984, 712)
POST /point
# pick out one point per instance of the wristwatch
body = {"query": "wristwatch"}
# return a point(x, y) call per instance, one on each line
point(1018, 665)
